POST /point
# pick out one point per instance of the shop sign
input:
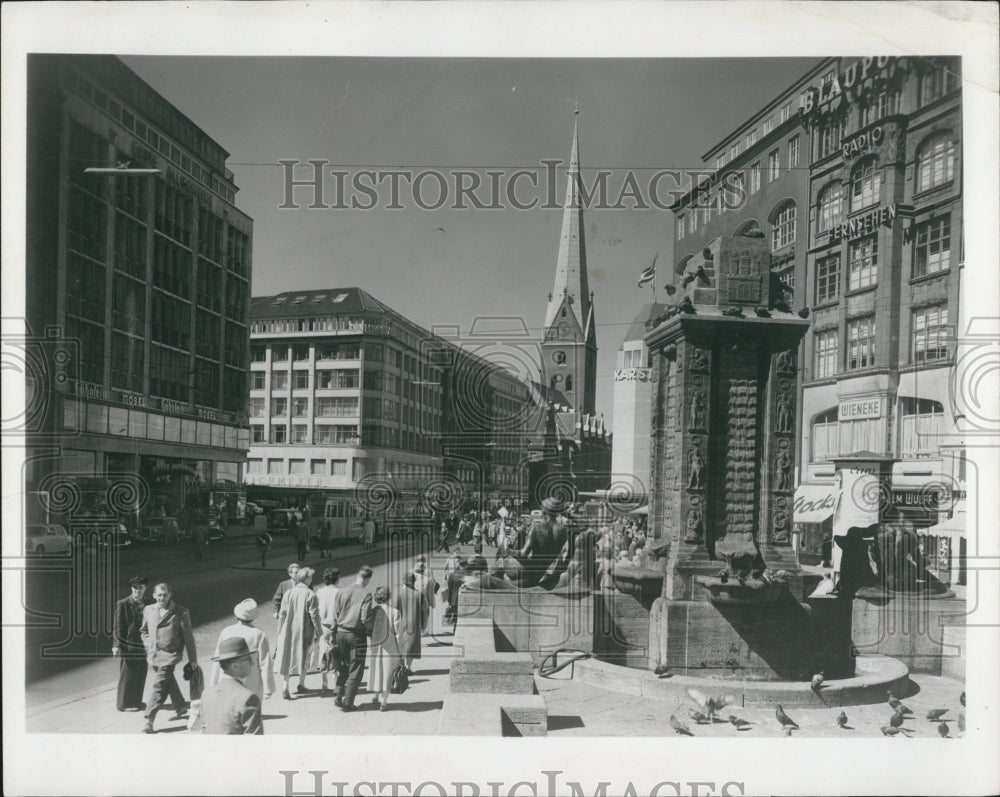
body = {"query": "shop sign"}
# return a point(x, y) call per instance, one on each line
point(285, 481)
point(169, 405)
point(132, 399)
point(927, 500)
point(632, 374)
point(802, 506)
point(859, 409)
point(864, 224)
point(847, 82)
point(863, 142)
point(92, 390)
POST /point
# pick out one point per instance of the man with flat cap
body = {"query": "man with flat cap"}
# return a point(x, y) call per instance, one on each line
point(229, 707)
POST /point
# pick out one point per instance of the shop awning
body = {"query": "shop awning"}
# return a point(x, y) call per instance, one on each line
point(814, 503)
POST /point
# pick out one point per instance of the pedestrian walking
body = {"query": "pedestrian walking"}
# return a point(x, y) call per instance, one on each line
point(264, 542)
point(230, 707)
point(413, 613)
point(352, 607)
point(299, 629)
point(283, 587)
point(260, 677)
point(429, 587)
point(198, 532)
point(326, 540)
point(128, 645)
point(326, 597)
point(368, 532)
point(386, 650)
point(166, 634)
point(299, 531)
point(443, 539)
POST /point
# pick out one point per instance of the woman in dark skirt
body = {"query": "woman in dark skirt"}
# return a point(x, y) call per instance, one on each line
point(128, 646)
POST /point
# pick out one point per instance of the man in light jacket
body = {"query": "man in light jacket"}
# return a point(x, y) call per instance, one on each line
point(166, 633)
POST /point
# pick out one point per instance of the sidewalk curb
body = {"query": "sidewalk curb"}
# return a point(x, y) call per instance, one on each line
point(65, 701)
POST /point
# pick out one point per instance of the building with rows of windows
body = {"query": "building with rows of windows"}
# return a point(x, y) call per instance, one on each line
point(138, 287)
point(350, 399)
point(853, 175)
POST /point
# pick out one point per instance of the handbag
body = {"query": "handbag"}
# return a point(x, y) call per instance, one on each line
point(400, 680)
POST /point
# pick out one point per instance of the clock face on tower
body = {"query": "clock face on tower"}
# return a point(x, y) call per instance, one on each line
point(559, 357)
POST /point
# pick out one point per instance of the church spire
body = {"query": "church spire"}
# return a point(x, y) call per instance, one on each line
point(571, 263)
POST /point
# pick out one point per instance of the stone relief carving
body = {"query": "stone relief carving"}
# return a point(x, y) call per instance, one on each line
point(785, 363)
point(696, 466)
point(783, 414)
point(698, 409)
point(782, 471)
point(694, 526)
point(699, 360)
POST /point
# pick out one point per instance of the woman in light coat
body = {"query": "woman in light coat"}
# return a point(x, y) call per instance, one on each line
point(261, 678)
point(383, 653)
point(299, 628)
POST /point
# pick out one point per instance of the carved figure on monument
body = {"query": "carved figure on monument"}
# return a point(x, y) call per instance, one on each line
point(782, 471)
point(780, 525)
point(698, 409)
point(694, 526)
point(696, 465)
point(699, 360)
point(544, 555)
point(785, 363)
point(783, 422)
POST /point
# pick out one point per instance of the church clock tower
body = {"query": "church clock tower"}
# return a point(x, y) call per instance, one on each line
point(569, 349)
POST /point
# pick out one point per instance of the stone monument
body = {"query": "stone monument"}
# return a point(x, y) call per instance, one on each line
point(722, 470)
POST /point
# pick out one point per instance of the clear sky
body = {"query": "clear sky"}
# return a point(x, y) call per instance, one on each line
point(449, 266)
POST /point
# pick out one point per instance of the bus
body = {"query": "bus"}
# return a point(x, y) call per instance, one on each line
point(345, 517)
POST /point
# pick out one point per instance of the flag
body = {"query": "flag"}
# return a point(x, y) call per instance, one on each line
point(649, 274)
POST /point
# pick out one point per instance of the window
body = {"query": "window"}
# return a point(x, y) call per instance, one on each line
point(831, 207)
point(755, 177)
point(279, 354)
point(825, 353)
point(331, 434)
point(942, 80)
point(338, 467)
point(935, 162)
point(680, 226)
point(930, 333)
point(692, 222)
point(317, 467)
point(279, 380)
point(258, 354)
point(864, 263)
point(793, 152)
point(921, 424)
point(336, 406)
point(279, 407)
point(829, 137)
point(767, 126)
point(860, 343)
point(751, 138)
point(279, 433)
point(255, 466)
point(883, 104)
point(256, 433)
point(569, 383)
point(300, 379)
point(866, 184)
point(773, 166)
point(824, 435)
point(734, 150)
point(827, 278)
point(864, 434)
point(300, 407)
point(932, 252)
point(276, 466)
point(720, 161)
point(785, 112)
point(257, 380)
point(257, 409)
point(783, 227)
point(300, 433)
point(296, 467)
point(300, 353)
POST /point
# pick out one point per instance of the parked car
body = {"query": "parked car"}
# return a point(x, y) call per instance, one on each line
point(278, 519)
point(160, 529)
point(48, 538)
point(252, 510)
point(114, 536)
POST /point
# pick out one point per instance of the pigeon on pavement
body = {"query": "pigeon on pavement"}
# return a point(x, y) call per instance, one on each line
point(817, 682)
point(943, 729)
point(961, 722)
point(889, 731)
point(784, 719)
point(842, 719)
point(936, 713)
point(961, 698)
point(679, 726)
point(897, 704)
point(739, 723)
point(697, 716)
point(896, 720)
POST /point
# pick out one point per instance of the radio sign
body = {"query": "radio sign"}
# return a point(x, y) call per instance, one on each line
point(859, 409)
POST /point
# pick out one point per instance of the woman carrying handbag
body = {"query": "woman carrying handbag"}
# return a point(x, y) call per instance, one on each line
point(383, 654)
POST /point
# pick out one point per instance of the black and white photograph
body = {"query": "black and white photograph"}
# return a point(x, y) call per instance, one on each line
point(496, 399)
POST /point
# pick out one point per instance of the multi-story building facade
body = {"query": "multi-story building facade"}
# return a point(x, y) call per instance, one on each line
point(138, 285)
point(866, 228)
point(351, 400)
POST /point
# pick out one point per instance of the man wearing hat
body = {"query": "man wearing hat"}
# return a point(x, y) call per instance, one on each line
point(128, 645)
point(260, 680)
point(544, 544)
point(229, 707)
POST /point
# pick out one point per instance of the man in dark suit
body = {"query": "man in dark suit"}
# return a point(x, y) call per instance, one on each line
point(283, 587)
point(166, 633)
point(229, 707)
point(128, 646)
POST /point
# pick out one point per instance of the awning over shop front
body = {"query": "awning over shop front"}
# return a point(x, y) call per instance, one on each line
point(814, 503)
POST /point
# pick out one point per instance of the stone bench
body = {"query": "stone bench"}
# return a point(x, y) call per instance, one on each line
point(480, 668)
point(477, 714)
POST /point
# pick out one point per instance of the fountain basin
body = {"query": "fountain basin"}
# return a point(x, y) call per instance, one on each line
point(753, 592)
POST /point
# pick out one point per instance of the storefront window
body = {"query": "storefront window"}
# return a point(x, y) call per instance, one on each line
point(921, 424)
